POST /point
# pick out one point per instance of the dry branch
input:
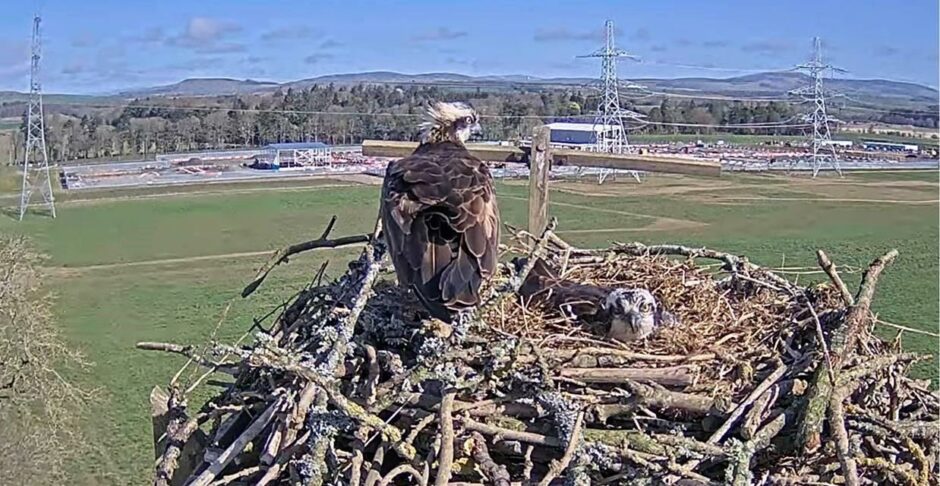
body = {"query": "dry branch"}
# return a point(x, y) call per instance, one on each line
point(557, 467)
point(282, 255)
point(842, 343)
point(678, 376)
point(446, 456)
point(355, 384)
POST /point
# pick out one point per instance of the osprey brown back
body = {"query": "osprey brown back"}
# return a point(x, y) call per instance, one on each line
point(441, 224)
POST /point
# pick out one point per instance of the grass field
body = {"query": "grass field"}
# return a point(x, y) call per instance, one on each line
point(127, 269)
point(760, 139)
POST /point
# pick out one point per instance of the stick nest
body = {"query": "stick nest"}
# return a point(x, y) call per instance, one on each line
point(761, 382)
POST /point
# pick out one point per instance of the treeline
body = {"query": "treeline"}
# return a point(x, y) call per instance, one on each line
point(928, 119)
point(348, 115)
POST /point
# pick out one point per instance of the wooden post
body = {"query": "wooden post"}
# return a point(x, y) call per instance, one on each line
point(540, 161)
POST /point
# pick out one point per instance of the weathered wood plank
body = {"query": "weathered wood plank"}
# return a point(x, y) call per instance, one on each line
point(505, 153)
point(488, 152)
point(539, 170)
point(646, 163)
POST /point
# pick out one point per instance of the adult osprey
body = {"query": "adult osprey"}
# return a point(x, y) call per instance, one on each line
point(439, 214)
point(623, 314)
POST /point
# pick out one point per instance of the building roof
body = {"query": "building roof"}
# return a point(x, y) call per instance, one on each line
point(296, 146)
point(581, 127)
point(889, 144)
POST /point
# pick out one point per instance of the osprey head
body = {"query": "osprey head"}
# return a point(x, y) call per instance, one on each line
point(634, 314)
point(449, 122)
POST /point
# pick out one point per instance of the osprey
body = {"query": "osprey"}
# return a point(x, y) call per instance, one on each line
point(439, 214)
point(624, 314)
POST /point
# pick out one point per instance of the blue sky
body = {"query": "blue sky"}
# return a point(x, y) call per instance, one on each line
point(94, 46)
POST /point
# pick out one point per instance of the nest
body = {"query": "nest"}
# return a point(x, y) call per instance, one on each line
point(761, 382)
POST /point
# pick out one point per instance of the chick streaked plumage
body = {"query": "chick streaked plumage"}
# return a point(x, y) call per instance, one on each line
point(623, 314)
point(634, 314)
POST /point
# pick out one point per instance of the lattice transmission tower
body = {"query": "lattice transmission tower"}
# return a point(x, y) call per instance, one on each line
point(609, 129)
point(814, 94)
point(610, 115)
point(37, 182)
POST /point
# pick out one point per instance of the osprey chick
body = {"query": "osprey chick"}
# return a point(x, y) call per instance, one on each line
point(439, 214)
point(623, 314)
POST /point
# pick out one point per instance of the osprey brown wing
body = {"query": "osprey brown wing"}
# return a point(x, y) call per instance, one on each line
point(441, 223)
point(544, 285)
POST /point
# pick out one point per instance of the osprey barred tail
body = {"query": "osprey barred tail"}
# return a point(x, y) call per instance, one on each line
point(439, 214)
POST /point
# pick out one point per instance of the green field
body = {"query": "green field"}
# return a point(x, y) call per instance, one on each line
point(128, 269)
point(761, 139)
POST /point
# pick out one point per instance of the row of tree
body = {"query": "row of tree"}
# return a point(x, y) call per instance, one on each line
point(347, 115)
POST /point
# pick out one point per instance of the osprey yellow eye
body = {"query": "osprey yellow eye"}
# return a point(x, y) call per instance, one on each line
point(645, 307)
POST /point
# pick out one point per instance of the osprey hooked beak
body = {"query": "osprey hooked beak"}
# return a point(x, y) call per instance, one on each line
point(449, 122)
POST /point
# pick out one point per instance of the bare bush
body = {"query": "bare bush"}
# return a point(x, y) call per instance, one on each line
point(38, 406)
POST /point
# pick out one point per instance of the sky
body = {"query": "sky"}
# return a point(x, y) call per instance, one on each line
point(100, 46)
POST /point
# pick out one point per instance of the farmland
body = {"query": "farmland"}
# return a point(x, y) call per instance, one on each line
point(128, 267)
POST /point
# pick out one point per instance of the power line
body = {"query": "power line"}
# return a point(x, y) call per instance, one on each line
point(705, 67)
point(714, 97)
point(730, 125)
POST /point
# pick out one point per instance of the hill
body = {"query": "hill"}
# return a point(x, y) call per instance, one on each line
point(875, 92)
point(870, 93)
point(203, 87)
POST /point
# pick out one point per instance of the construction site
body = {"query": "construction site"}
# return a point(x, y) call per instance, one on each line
point(655, 299)
point(261, 165)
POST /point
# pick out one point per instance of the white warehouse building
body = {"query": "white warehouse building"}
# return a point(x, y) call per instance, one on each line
point(568, 133)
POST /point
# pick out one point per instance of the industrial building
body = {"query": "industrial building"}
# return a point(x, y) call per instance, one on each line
point(581, 134)
point(890, 146)
point(299, 154)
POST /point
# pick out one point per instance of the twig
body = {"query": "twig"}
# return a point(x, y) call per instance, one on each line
point(398, 471)
point(368, 388)
point(283, 254)
point(249, 434)
point(672, 376)
point(820, 335)
point(286, 455)
point(179, 430)
point(508, 434)
point(497, 474)
point(883, 322)
point(657, 398)
point(527, 468)
point(842, 343)
point(719, 434)
point(754, 416)
point(558, 466)
point(569, 355)
point(445, 457)
point(189, 352)
point(892, 469)
point(352, 409)
point(837, 423)
point(830, 269)
point(859, 313)
point(231, 478)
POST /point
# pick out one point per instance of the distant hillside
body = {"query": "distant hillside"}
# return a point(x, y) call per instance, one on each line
point(882, 93)
point(862, 93)
point(204, 87)
point(776, 84)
